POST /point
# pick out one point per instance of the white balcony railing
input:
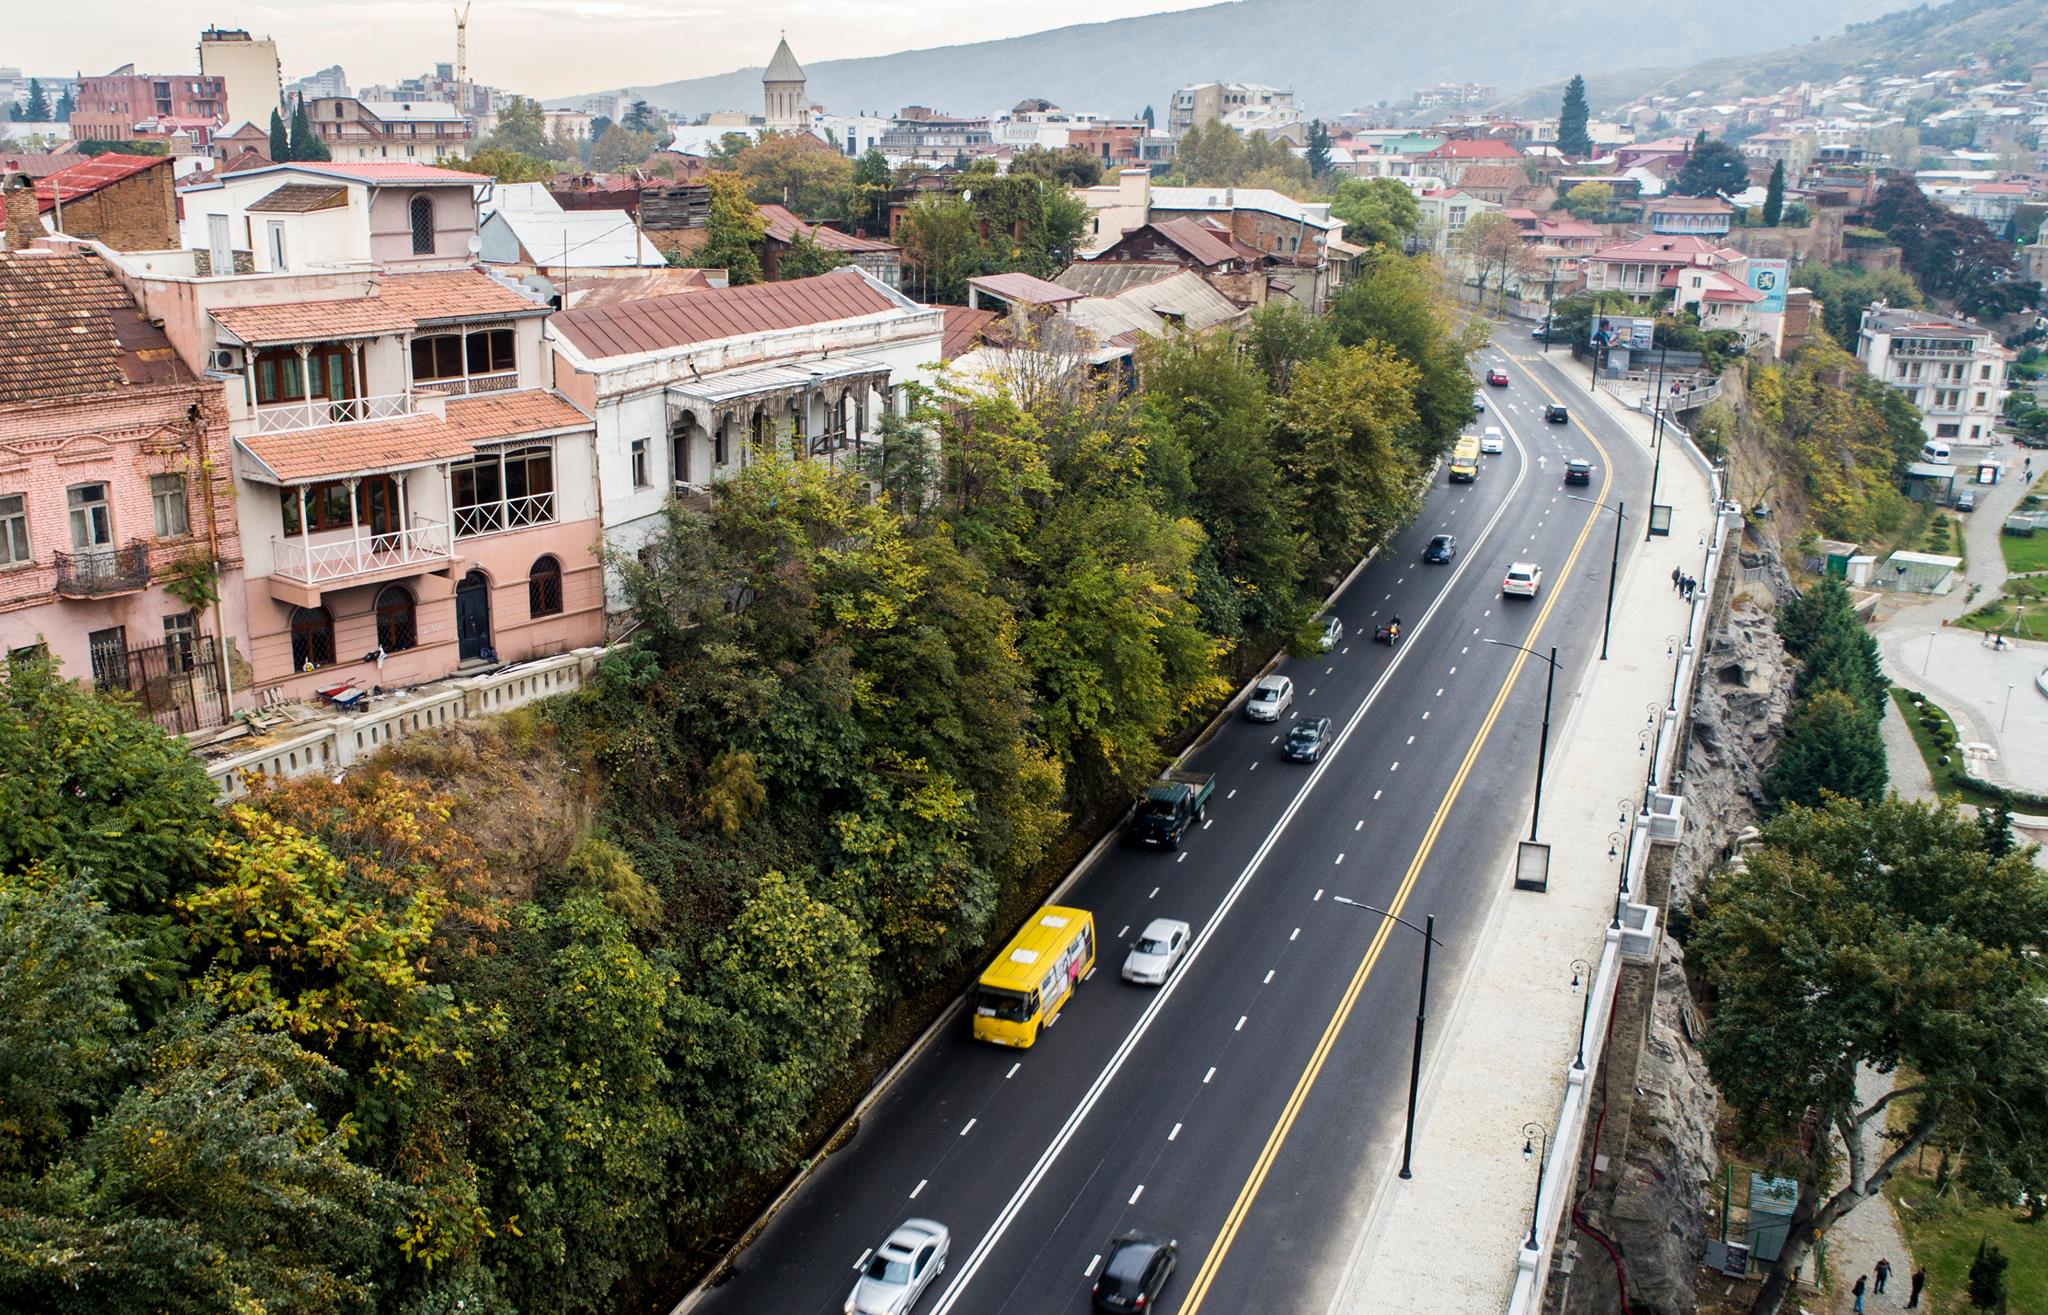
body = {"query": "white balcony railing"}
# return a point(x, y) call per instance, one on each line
point(511, 514)
point(291, 417)
point(476, 383)
point(318, 561)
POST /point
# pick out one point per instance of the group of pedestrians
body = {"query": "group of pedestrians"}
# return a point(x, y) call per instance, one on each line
point(1684, 584)
point(1883, 1272)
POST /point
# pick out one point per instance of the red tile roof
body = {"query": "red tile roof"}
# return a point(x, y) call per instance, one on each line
point(68, 328)
point(1659, 250)
point(417, 440)
point(1024, 289)
point(401, 301)
point(963, 331)
point(1485, 148)
point(659, 323)
point(89, 176)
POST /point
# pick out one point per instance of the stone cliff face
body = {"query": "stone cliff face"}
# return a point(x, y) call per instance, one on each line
point(1739, 712)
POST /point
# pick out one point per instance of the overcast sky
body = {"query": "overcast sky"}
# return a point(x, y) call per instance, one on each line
point(541, 48)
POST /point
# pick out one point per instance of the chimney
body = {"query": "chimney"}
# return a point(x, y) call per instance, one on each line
point(18, 203)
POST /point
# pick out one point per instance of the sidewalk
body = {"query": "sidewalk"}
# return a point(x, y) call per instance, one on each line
point(1449, 1239)
point(1870, 1232)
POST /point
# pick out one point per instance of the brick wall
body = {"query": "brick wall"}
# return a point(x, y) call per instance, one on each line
point(23, 225)
point(136, 213)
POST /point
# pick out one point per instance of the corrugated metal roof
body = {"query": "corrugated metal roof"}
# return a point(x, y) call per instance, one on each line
point(1024, 289)
point(659, 323)
point(89, 176)
point(1107, 278)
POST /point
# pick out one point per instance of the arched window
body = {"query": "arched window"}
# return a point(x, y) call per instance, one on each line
point(397, 621)
point(544, 588)
point(312, 638)
point(421, 212)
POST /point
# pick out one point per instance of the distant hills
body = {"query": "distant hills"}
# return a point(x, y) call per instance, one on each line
point(1336, 54)
point(1905, 43)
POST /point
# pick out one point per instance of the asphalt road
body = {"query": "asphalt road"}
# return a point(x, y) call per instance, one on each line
point(1249, 1107)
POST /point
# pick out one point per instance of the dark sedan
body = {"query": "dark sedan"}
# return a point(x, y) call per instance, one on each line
point(1578, 471)
point(1556, 414)
point(1441, 549)
point(1136, 1272)
point(1306, 739)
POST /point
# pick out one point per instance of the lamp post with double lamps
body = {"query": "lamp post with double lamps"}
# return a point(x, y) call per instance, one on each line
point(1428, 933)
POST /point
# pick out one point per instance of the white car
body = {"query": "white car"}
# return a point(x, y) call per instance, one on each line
point(1330, 634)
point(1493, 442)
point(1270, 697)
point(896, 1274)
point(1157, 949)
point(1523, 580)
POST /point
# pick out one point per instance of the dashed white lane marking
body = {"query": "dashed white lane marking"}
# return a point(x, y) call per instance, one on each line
point(1395, 768)
point(969, 1128)
point(1318, 894)
point(1328, 670)
point(1020, 1063)
point(1345, 649)
point(1274, 740)
point(1120, 935)
point(1254, 767)
point(1231, 795)
point(919, 1188)
point(1375, 794)
point(1269, 978)
point(1174, 1134)
point(1463, 651)
point(1359, 825)
point(858, 1264)
point(1154, 894)
point(1439, 691)
point(1135, 1195)
point(1425, 716)
point(1210, 1074)
point(1454, 671)
point(1311, 691)
point(1340, 858)
point(1092, 1263)
point(1296, 932)
point(1181, 857)
point(1206, 821)
point(1411, 739)
point(1241, 1020)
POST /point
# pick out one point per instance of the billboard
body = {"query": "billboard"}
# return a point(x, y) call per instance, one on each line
point(1630, 331)
point(1770, 277)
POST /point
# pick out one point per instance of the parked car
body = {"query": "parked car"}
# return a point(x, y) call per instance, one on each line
point(1441, 549)
point(900, 1269)
point(1498, 378)
point(1523, 580)
point(1270, 697)
point(1331, 634)
point(1157, 949)
point(1491, 442)
point(1556, 414)
point(1578, 471)
point(1135, 1272)
point(1478, 401)
point(1966, 500)
point(1307, 739)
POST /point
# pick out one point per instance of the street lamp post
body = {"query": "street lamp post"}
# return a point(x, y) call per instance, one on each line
point(1582, 972)
point(1549, 307)
point(1536, 1146)
point(1543, 740)
point(1620, 510)
point(2008, 710)
point(1628, 851)
point(1671, 650)
point(1656, 443)
point(1928, 661)
point(1428, 933)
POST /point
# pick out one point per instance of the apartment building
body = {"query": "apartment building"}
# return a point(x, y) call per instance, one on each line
point(1241, 104)
point(690, 389)
point(414, 498)
point(116, 106)
point(359, 131)
point(1951, 368)
point(248, 70)
point(113, 487)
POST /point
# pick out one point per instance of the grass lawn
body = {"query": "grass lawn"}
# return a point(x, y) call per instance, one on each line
point(1944, 1234)
point(1999, 613)
point(1945, 783)
point(2027, 552)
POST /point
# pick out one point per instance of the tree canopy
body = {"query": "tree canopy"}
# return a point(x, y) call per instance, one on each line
point(1714, 168)
point(1572, 137)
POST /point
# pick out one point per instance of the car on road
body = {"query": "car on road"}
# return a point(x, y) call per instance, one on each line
point(1578, 471)
point(896, 1274)
point(1523, 580)
point(1478, 401)
point(1306, 740)
point(1441, 549)
point(1498, 378)
point(1556, 414)
point(1492, 443)
point(1329, 634)
point(1966, 500)
point(1554, 334)
point(1157, 949)
point(1136, 1272)
point(1270, 698)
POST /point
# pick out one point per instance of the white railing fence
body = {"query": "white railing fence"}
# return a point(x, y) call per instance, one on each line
point(511, 514)
point(319, 562)
point(321, 412)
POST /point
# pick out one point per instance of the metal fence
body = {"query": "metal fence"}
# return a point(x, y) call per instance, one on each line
point(178, 683)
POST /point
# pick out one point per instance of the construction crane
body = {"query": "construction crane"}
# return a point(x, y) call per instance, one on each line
point(462, 58)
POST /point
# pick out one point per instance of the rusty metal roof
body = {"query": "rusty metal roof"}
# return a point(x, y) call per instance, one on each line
point(68, 328)
point(658, 323)
point(401, 301)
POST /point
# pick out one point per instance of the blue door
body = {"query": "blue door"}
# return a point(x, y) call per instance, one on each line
point(473, 616)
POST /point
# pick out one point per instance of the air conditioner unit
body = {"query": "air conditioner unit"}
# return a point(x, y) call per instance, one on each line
point(223, 358)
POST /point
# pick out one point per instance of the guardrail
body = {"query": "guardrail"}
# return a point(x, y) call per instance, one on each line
point(345, 739)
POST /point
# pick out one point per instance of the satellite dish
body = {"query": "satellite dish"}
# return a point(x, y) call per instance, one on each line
point(475, 244)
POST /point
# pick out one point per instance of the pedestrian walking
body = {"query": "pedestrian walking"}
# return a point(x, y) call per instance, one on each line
point(1883, 1271)
point(1862, 1282)
point(1677, 579)
point(1919, 1282)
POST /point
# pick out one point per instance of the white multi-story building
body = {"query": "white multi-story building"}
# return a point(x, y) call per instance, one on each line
point(1951, 368)
point(1244, 105)
point(689, 389)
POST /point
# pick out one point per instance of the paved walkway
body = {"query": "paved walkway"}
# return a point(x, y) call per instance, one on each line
point(1909, 770)
point(1870, 1232)
point(1447, 1240)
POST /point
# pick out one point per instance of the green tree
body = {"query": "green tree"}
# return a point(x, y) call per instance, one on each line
point(942, 248)
point(1884, 936)
point(867, 193)
point(1714, 167)
point(796, 170)
point(1845, 291)
point(806, 258)
point(1985, 1285)
point(1318, 153)
point(305, 143)
point(1211, 156)
point(65, 105)
point(1812, 611)
point(522, 128)
point(736, 230)
point(1070, 167)
point(280, 139)
point(1340, 428)
point(1830, 746)
point(1774, 196)
point(37, 109)
point(1377, 212)
point(619, 147)
point(1283, 336)
point(642, 117)
point(509, 166)
point(1572, 138)
point(1589, 201)
point(1492, 248)
point(1397, 300)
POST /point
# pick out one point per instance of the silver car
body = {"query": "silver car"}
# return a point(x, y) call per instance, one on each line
point(1270, 698)
point(1157, 949)
point(1330, 635)
point(896, 1274)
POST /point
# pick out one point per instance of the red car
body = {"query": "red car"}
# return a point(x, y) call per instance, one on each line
point(1498, 378)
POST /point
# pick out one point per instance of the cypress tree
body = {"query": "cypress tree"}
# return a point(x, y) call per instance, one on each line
point(1774, 196)
point(1830, 744)
point(305, 144)
point(1572, 137)
point(38, 108)
point(280, 141)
